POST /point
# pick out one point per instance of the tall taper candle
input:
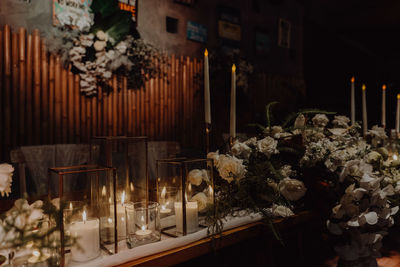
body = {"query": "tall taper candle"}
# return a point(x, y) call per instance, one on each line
point(364, 109)
point(207, 105)
point(398, 114)
point(353, 102)
point(384, 106)
point(233, 103)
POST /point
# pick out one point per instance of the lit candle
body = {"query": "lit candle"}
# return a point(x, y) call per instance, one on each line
point(87, 236)
point(353, 102)
point(192, 220)
point(207, 105)
point(143, 231)
point(364, 109)
point(121, 222)
point(233, 103)
point(164, 204)
point(384, 105)
point(398, 114)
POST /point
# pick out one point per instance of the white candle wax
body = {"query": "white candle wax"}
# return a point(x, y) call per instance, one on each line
point(165, 210)
point(87, 236)
point(121, 221)
point(192, 220)
point(398, 114)
point(207, 105)
point(384, 105)
point(364, 110)
point(233, 103)
point(143, 233)
point(353, 102)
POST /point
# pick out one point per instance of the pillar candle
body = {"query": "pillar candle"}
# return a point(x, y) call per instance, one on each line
point(353, 102)
point(398, 114)
point(192, 220)
point(384, 105)
point(207, 105)
point(364, 109)
point(121, 222)
point(233, 103)
point(87, 236)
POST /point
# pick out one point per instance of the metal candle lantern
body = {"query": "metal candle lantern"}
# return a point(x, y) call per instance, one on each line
point(185, 189)
point(128, 155)
point(86, 185)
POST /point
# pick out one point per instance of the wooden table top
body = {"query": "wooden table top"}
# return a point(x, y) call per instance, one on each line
point(227, 238)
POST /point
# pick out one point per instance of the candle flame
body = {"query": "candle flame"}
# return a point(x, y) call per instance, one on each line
point(233, 68)
point(132, 187)
point(36, 253)
point(103, 191)
point(109, 200)
point(173, 180)
point(363, 87)
point(210, 189)
point(384, 87)
point(206, 53)
point(186, 197)
point(123, 197)
point(353, 79)
point(398, 96)
point(84, 216)
point(394, 157)
point(70, 205)
point(143, 227)
point(163, 192)
point(109, 220)
point(190, 188)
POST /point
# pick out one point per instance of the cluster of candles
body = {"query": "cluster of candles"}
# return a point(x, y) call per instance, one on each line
point(364, 107)
point(88, 231)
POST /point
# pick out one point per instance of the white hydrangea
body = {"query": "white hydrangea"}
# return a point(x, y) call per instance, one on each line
point(320, 120)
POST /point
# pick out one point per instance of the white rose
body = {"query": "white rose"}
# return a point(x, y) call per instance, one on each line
point(195, 177)
point(35, 216)
point(292, 189)
point(241, 150)
point(341, 122)
point(99, 45)
point(6, 172)
point(320, 120)
point(373, 157)
point(251, 142)
point(281, 211)
point(102, 36)
point(267, 146)
point(300, 121)
point(231, 168)
point(214, 156)
point(202, 200)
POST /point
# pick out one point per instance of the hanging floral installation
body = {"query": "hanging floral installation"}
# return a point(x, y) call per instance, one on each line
point(102, 44)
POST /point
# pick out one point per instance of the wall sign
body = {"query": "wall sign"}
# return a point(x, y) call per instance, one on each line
point(196, 32)
point(229, 29)
point(129, 5)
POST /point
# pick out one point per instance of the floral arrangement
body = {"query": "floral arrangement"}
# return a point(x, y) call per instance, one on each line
point(32, 227)
point(102, 44)
point(357, 179)
point(6, 172)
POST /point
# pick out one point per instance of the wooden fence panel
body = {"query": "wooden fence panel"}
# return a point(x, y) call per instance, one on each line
point(42, 104)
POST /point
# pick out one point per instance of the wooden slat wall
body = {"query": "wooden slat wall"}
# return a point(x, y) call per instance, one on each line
point(41, 103)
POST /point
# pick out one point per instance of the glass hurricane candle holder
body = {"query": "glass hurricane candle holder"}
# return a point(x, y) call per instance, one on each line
point(84, 205)
point(142, 223)
point(128, 155)
point(189, 184)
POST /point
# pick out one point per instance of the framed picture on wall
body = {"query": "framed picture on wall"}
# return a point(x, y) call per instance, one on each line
point(284, 33)
point(196, 32)
point(262, 42)
point(229, 29)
